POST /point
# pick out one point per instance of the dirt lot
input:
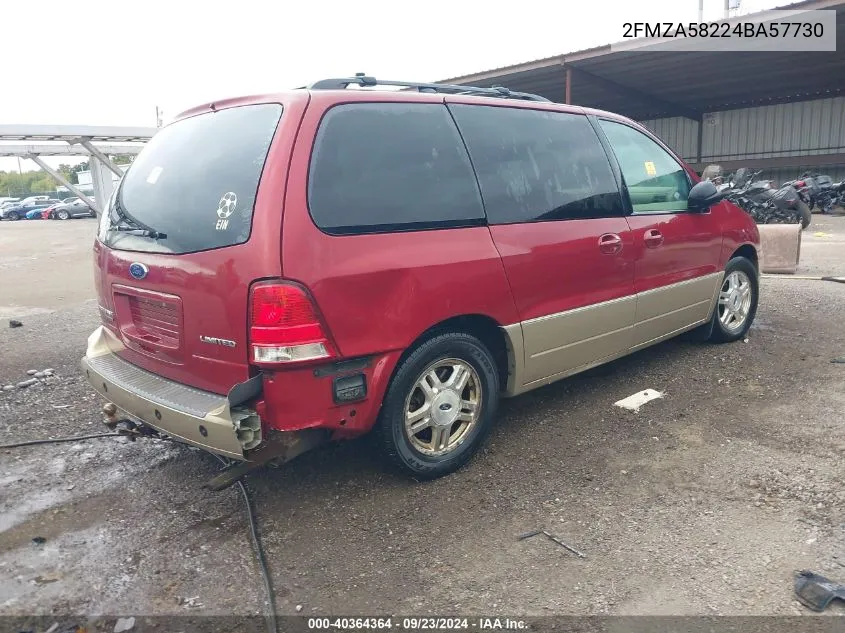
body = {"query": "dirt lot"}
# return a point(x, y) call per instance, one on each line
point(704, 502)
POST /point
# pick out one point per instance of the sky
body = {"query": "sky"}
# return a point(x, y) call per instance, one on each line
point(111, 62)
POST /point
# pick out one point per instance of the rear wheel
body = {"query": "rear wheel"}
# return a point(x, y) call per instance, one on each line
point(439, 406)
point(737, 304)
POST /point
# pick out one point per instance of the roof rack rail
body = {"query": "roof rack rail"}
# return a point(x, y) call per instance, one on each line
point(366, 81)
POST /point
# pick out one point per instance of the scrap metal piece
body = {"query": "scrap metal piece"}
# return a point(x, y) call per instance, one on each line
point(553, 538)
point(637, 400)
point(817, 592)
point(280, 448)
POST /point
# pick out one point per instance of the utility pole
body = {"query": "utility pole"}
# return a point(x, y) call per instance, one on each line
point(727, 9)
point(700, 11)
point(159, 117)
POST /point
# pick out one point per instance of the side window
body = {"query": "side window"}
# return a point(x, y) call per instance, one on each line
point(536, 165)
point(391, 167)
point(656, 181)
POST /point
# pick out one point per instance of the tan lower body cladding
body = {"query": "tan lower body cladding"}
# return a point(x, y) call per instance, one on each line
point(558, 345)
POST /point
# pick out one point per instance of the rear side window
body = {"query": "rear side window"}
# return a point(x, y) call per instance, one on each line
point(195, 182)
point(380, 167)
point(535, 165)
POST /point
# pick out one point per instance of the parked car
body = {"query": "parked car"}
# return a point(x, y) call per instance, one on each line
point(396, 260)
point(34, 199)
point(37, 213)
point(19, 211)
point(72, 208)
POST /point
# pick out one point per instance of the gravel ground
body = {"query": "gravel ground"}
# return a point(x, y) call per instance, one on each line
point(703, 503)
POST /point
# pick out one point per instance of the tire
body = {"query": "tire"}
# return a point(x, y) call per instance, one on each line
point(63, 215)
point(726, 329)
point(804, 214)
point(420, 454)
point(13, 216)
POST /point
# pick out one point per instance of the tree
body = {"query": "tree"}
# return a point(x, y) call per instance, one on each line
point(83, 166)
point(44, 183)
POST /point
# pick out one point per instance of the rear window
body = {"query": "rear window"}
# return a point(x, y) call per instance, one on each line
point(195, 182)
point(380, 167)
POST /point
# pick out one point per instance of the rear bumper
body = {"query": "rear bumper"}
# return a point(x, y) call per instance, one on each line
point(203, 419)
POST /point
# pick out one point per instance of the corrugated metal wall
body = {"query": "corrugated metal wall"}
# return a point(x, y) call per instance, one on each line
point(788, 129)
point(679, 133)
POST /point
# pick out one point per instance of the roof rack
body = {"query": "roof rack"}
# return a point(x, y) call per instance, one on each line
point(366, 81)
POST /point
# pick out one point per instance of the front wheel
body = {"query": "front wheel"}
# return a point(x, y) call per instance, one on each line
point(63, 215)
point(737, 304)
point(13, 216)
point(439, 406)
point(804, 215)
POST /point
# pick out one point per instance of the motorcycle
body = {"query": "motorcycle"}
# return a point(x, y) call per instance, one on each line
point(763, 202)
point(821, 192)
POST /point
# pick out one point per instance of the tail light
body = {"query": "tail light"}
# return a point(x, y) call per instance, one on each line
point(800, 183)
point(284, 325)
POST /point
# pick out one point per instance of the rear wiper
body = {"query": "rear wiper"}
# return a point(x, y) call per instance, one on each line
point(156, 235)
point(133, 223)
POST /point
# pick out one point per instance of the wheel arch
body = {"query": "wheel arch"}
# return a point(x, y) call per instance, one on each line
point(504, 344)
point(748, 251)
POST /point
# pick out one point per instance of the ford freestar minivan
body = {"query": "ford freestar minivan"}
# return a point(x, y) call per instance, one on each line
point(329, 260)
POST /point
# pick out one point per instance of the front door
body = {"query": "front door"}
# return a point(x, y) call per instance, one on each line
point(676, 251)
point(557, 218)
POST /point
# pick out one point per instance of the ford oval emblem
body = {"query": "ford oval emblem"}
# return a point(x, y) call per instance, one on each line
point(138, 271)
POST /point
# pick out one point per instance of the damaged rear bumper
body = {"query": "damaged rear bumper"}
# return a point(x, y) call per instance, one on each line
point(207, 420)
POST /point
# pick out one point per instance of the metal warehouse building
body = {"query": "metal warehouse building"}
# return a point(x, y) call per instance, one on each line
point(782, 112)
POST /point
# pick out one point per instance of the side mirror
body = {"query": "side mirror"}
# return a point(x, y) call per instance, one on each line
point(703, 196)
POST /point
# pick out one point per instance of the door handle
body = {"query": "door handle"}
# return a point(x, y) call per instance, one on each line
point(610, 244)
point(653, 238)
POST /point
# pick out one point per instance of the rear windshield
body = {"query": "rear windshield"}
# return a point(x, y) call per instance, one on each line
point(193, 186)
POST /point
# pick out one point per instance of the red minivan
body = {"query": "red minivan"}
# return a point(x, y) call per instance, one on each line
point(276, 271)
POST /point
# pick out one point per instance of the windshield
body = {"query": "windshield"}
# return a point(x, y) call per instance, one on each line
point(193, 187)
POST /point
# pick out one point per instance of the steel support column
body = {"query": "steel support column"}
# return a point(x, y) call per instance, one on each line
point(568, 98)
point(62, 180)
point(101, 179)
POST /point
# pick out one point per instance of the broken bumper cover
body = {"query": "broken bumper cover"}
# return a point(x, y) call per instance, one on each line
point(201, 418)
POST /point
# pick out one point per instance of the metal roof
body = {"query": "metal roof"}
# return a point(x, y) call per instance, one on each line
point(25, 149)
point(646, 83)
point(95, 133)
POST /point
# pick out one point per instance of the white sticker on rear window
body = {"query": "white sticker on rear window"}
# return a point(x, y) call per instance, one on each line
point(225, 208)
point(155, 172)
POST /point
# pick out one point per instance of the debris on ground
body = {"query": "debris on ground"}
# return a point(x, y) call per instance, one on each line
point(27, 383)
point(15, 323)
point(189, 602)
point(39, 540)
point(635, 401)
point(839, 361)
point(31, 372)
point(552, 537)
point(124, 624)
point(815, 591)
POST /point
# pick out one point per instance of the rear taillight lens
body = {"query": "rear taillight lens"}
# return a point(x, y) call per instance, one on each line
point(284, 325)
point(800, 183)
